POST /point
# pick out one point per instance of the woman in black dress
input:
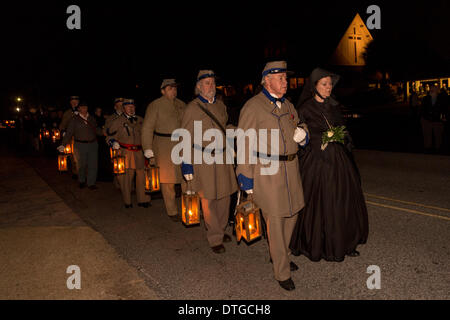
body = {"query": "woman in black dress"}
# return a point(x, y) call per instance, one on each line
point(334, 220)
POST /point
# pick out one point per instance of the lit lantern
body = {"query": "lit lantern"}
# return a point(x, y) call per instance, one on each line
point(190, 208)
point(152, 179)
point(56, 135)
point(46, 133)
point(113, 152)
point(62, 162)
point(68, 149)
point(248, 221)
point(40, 136)
point(119, 165)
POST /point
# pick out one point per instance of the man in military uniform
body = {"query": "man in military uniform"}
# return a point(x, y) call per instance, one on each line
point(83, 128)
point(162, 117)
point(67, 116)
point(126, 137)
point(279, 195)
point(118, 110)
point(214, 182)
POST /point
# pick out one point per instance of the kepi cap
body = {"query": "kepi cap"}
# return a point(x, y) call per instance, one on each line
point(168, 82)
point(128, 101)
point(203, 74)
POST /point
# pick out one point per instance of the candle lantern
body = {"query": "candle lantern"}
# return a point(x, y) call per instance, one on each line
point(62, 162)
point(113, 153)
point(152, 179)
point(56, 135)
point(248, 221)
point(68, 149)
point(46, 133)
point(119, 165)
point(190, 207)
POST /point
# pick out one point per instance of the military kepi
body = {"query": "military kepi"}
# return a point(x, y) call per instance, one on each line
point(203, 74)
point(128, 101)
point(168, 82)
point(275, 67)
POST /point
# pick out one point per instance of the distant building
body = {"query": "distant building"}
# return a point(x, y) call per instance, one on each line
point(353, 44)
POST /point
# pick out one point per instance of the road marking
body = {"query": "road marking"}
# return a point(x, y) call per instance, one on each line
point(407, 202)
point(408, 210)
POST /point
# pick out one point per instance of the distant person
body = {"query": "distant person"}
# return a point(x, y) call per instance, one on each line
point(162, 117)
point(434, 113)
point(118, 110)
point(83, 128)
point(334, 220)
point(104, 158)
point(414, 103)
point(126, 132)
point(67, 116)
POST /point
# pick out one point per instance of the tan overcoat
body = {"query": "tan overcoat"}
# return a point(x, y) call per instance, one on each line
point(128, 132)
point(211, 181)
point(163, 116)
point(280, 194)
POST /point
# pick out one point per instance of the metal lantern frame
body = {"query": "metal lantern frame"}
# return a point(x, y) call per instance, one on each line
point(152, 181)
point(190, 207)
point(62, 163)
point(118, 165)
point(248, 222)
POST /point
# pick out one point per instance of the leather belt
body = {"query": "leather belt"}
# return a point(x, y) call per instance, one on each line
point(131, 147)
point(287, 157)
point(85, 141)
point(167, 135)
point(212, 151)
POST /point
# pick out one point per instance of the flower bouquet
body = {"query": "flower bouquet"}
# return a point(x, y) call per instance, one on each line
point(333, 134)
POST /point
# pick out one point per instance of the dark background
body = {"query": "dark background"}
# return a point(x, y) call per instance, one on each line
point(127, 48)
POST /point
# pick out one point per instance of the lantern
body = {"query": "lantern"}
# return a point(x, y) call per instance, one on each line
point(248, 221)
point(62, 162)
point(113, 152)
point(56, 135)
point(190, 208)
point(68, 149)
point(152, 179)
point(46, 133)
point(119, 165)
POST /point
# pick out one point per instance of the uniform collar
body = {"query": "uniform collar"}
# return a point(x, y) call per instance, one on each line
point(271, 98)
point(205, 100)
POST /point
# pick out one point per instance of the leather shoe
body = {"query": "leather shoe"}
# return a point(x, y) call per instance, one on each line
point(82, 185)
point(354, 253)
point(128, 206)
point(144, 204)
point(93, 187)
point(218, 249)
point(293, 266)
point(287, 284)
point(226, 238)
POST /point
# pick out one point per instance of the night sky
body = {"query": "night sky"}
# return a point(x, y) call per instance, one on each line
point(121, 45)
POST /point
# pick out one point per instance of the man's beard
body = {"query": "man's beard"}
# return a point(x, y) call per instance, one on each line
point(210, 94)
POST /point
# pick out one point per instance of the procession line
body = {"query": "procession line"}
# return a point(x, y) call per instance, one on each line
point(408, 210)
point(407, 202)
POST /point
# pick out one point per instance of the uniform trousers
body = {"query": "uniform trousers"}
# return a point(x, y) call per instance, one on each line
point(168, 193)
point(126, 181)
point(86, 155)
point(215, 214)
point(279, 232)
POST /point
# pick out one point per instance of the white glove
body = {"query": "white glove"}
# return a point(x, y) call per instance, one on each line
point(249, 191)
point(148, 153)
point(61, 148)
point(189, 177)
point(64, 133)
point(116, 145)
point(299, 135)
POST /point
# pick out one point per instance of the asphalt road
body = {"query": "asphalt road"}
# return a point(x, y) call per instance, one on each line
point(408, 198)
